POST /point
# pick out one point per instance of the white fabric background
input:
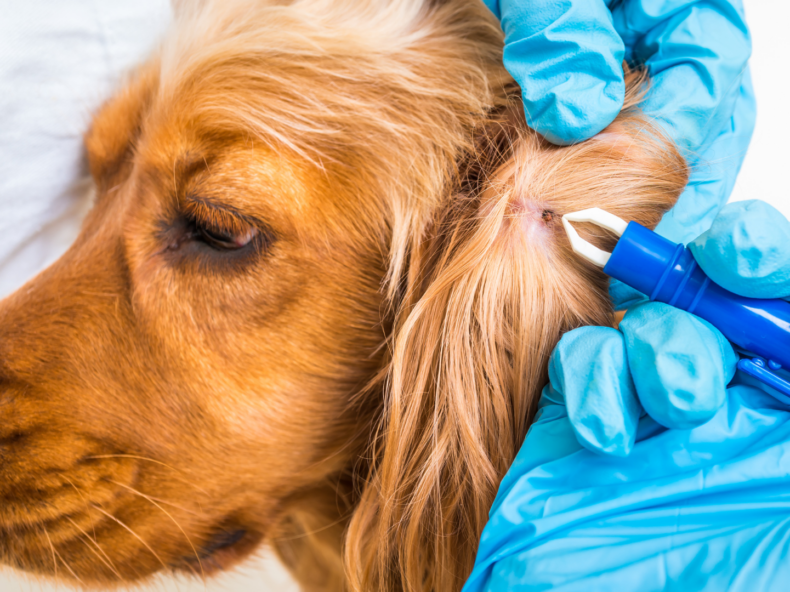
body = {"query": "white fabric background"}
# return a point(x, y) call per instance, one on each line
point(59, 59)
point(765, 173)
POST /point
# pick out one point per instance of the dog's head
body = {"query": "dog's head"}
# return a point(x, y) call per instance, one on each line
point(324, 266)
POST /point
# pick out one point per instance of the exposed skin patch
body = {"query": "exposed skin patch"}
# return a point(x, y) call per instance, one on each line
point(534, 220)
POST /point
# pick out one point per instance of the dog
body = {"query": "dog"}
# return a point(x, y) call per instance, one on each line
point(313, 304)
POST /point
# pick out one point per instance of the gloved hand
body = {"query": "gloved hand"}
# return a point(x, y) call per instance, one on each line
point(666, 361)
point(706, 508)
point(567, 56)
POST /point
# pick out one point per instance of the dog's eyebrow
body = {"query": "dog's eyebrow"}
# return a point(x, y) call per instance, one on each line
point(190, 164)
point(174, 174)
point(211, 204)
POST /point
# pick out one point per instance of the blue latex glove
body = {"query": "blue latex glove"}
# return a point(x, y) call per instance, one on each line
point(705, 508)
point(665, 361)
point(567, 57)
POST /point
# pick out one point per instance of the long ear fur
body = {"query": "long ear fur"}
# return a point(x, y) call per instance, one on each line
point(496, 287)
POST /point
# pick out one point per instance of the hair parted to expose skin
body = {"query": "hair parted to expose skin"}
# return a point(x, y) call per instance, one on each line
point(497, 285)
point(312, 305)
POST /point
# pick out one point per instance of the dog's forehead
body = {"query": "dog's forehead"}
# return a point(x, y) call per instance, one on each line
point(190, 159)
point(184, 152)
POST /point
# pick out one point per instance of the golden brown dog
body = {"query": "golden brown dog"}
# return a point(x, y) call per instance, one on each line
point(313, 303)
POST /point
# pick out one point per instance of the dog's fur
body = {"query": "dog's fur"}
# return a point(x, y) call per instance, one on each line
point(352, 384)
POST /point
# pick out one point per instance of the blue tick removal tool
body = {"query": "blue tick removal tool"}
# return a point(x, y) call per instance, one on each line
point(667, 272)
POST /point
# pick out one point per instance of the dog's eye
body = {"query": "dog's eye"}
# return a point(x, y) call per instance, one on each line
point(219, 228)
point(213, 236)
point(222, 239)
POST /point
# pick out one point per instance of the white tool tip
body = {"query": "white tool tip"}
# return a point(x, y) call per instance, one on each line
point(596, 216)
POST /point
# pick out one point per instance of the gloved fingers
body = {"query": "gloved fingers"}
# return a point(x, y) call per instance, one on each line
point(696, 53)
point(567, 58)
point(624, 296)
point(589, 371)
point(713, 178)
point(747, 250)
point(680, 364)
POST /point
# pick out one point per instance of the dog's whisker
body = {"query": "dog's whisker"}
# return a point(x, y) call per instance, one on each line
point(324, 459)
point(165, 502)
point(308, 533)
point(176, 506)
point(67, 566)
point(51, 546)
point(132, 532)
point(166, 513)
point(106, 559)
point(82, 495)
point(151, 460)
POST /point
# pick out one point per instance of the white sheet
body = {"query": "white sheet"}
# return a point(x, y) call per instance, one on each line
point(59, 59)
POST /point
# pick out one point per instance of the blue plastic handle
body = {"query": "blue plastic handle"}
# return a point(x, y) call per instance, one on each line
point(756, 368)
point(667, 272)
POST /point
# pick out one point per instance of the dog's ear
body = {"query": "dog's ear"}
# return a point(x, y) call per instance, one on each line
point(114, 130)
point(497, 287)
point(468, 363)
